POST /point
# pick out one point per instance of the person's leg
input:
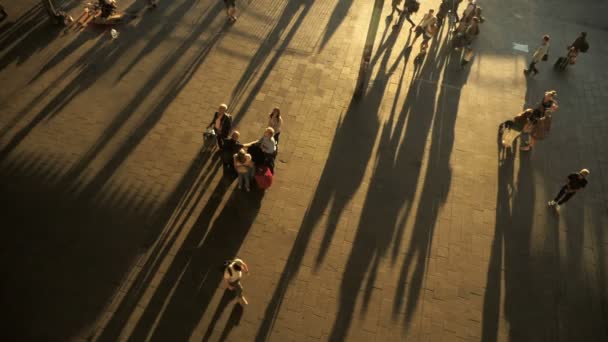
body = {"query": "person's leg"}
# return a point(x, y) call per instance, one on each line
point(561, 193)
point(566, 197)
point(240, 177)
point(240, 295)
point(408, 18)
point(247, 179)
point(276, 137)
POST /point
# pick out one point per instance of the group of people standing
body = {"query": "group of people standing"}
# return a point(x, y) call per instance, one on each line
point(245, 159)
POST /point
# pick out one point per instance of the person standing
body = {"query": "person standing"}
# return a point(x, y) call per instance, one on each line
point(539, 122)
point(426, 26)
point(574, 183)
point(230, 9)
point(275, 121)
point(222, 124)
point(540, 54)
point(231, 146)
point(233, 273)
point(243, 164)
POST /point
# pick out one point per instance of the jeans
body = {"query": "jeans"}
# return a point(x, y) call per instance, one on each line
point(564, 194)
point(245, 177)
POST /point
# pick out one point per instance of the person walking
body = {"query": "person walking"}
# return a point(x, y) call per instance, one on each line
point(222, 124)
point(275, 121)
point(233, 273)
point(574, 183)
point(426, 26)
point(409, 7)
point(230, 9)
point(540, 54)
point(243, 164)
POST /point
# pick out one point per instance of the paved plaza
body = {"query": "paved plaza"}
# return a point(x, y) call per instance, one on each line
point(393, 216)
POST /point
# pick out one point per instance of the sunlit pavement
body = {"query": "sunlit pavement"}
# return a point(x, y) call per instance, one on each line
point(392, 217)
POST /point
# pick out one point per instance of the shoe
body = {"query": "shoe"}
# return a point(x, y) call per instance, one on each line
point(551, 203)
point(243, 301)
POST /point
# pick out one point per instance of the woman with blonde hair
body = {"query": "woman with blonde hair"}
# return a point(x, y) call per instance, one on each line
point(243, 164)
point(539, 122)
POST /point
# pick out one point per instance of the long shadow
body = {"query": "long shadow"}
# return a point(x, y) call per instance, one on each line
point(233, 321)
point(102, 56)
point(194, 275)
point(265, 49)
point(337, 17)
point(177, 212)
point(179, 81)
point(65, 253)
point(492, 295)
point(350, 150)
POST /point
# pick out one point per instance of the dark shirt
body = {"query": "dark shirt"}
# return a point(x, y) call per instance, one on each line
point(230, 147)
point(579, 43)
point(575, 182)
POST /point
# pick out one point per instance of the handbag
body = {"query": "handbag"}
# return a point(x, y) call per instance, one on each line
point(545, 57)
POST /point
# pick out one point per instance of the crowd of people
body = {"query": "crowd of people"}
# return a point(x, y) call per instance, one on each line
point(246, 160)
point(464, 32)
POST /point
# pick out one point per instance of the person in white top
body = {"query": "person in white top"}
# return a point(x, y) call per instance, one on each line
point(275, 121)
point(427, 26)
point(539, 55)
point(233, 272)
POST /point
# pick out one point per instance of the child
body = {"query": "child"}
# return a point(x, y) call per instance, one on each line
point(233, 272)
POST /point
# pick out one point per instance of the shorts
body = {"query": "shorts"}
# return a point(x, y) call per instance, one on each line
point(237, 287)
point(230, 3)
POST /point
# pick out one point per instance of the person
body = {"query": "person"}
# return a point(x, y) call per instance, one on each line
point(230, 9)
point(222, 124)
point(580, 43)
point(233, 273)
point(409, 7)
point(243, 164)
point(267, 142)
point(539, 55)
point(108, 7)
point(469, 11)
point(454, 8)
point(471, 32)
point(231, 146)
point(539, 121)
point(574, 183)
point(442, 12)
point(275, 121)
point(426, 26)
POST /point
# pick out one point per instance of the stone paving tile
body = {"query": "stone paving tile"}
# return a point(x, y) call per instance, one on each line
point(390, 217)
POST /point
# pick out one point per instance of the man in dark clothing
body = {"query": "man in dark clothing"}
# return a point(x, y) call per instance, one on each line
point(222, 124)
point(409, 7)
point(580, 44)
point(574, 183)
point(231, 146)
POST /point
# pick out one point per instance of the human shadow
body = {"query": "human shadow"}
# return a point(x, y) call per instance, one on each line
point(350, 150)
point(228, 297)
point(291, 9)
point(335, 20)
point(78, 248)
point(233, 321)
point(186, 289)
